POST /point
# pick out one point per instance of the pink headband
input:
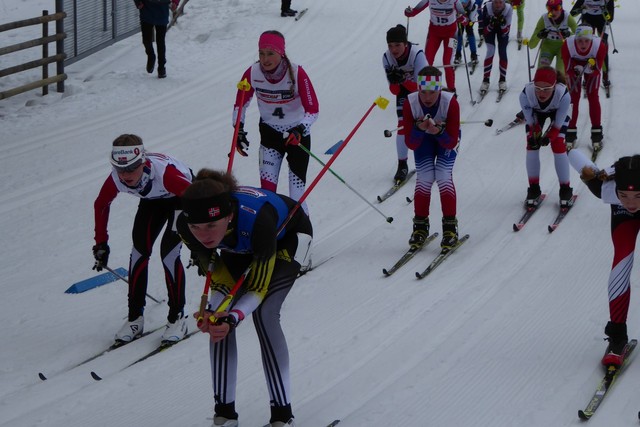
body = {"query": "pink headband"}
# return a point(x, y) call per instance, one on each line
point(273, 42)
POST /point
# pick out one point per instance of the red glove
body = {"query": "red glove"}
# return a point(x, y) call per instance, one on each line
point(409, 12)
point(174, 5)
point(463, 20)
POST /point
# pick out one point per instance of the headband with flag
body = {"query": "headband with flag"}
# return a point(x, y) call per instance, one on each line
point(426, 83)
point(127, 156)
point(209, 209)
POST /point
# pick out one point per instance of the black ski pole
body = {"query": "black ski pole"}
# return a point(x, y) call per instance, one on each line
point(466, 67)
point(115, 273)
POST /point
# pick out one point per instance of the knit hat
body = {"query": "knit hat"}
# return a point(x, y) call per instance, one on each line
point(546, 75)
point(397, 34)
point(554, 5)
point(627, 175)
point(584, 32)
point(273, 41)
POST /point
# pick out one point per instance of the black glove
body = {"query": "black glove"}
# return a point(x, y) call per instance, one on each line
point(101, 254)
point(543, 33)
point(533, 137)
point(533, 143)
point(295, 135)
point(242, 143)
point(565, 32)
point(395, 75)
point(544, 141)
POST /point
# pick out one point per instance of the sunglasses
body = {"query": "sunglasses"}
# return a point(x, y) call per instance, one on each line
point(556, 8)
point(544, 89)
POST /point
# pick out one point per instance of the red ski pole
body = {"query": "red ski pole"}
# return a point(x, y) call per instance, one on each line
point(380, 102)
point(243, 86)
point(225, 302)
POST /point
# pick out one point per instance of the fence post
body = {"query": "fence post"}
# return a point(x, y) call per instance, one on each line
point(60, 46)
point(45, 54)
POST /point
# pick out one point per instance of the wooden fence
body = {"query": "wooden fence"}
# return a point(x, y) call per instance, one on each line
point(43, 41)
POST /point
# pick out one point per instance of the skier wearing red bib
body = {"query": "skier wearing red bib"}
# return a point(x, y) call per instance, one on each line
point(431, 118)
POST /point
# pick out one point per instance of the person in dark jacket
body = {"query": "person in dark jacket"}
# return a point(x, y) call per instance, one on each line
point(256, 229)
point(154, 14)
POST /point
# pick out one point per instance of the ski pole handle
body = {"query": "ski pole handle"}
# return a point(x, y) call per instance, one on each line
point(205, 295)
point(243, 86)
point(226, 301)
point(388, 133)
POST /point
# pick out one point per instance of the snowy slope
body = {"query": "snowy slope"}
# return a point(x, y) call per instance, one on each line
point(507, 333)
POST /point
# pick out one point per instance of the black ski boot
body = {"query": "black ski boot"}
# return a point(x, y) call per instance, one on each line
point(401, 173)
point(617, 337)
point(565, 193)
point(474, 60)
point(596, 137)
point(533, 193)
point(570, 137)
point(420, 231)
point(449, 232)
point(288, 12)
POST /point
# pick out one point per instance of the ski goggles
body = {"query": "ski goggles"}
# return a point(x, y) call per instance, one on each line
point(127, 159)
point(544, 88)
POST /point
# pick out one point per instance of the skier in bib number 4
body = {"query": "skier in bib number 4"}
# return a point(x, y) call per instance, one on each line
point(288, 107)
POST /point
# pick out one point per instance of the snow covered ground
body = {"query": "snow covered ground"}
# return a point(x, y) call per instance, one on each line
point(507, 333)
